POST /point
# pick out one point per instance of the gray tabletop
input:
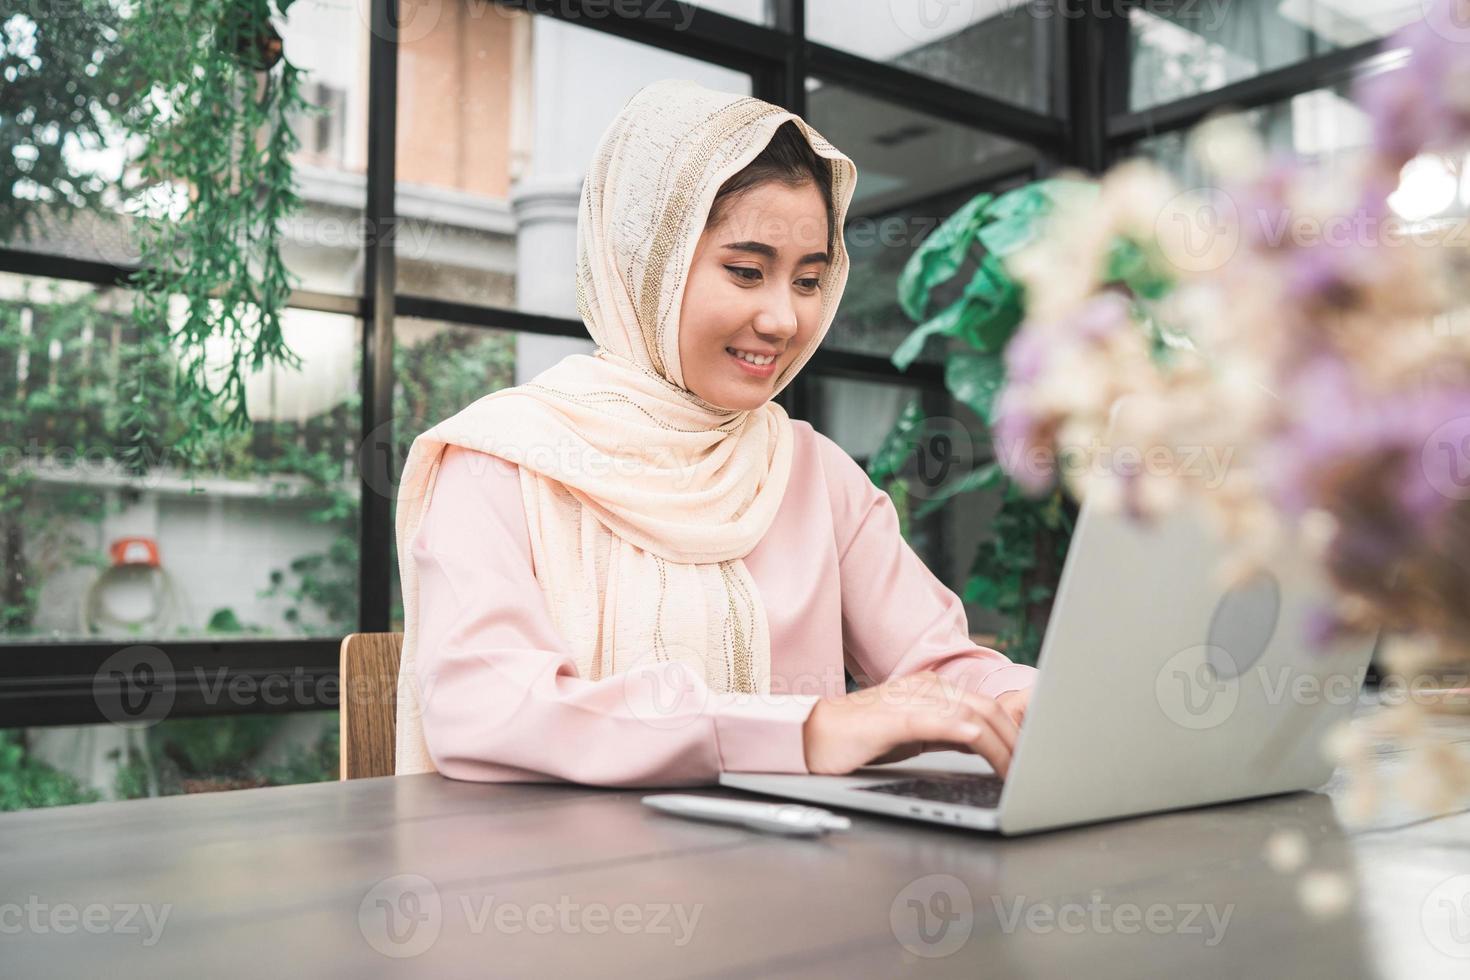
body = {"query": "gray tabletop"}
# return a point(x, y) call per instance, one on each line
point(425, 875)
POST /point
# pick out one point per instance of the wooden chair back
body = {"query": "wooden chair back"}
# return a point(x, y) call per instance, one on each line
point(368, 713)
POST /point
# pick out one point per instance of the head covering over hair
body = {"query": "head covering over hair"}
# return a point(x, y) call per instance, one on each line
point(641, 498)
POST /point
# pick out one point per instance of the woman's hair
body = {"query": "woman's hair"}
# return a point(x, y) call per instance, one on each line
point(789, 159)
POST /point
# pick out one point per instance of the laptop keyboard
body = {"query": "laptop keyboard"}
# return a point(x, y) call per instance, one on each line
point(978, 790)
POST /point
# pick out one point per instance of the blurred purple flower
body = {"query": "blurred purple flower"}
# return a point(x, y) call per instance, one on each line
point(1326, 274)
point(1320, 627)
point(1265, 214)
point(1102, 316)
point(1424, 104)
point(1018, 443)
point(1025, 356)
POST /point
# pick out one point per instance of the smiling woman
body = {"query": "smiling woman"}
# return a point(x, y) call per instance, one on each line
point(753, 300)
point(636, 569)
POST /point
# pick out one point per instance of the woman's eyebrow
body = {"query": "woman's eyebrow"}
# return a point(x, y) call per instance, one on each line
point(761, 248)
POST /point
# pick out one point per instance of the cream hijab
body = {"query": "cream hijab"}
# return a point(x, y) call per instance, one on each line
point(641, 498)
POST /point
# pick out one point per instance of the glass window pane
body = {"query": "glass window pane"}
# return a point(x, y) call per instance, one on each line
point(60, 123)
point(1325, 127)
point(1179, 50)
point(1322, 125)
point(328, 40)
point(756, 11)
point(64, 764)
point(264, 543)
point(995, 47)
point(499, 114)
point(441, 368)
point(913, 172)
point(858, 415)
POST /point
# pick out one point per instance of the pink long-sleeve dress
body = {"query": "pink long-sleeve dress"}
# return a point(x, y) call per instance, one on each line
point(840, 585)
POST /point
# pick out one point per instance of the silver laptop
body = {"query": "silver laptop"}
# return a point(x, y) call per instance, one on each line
point(1159, 689)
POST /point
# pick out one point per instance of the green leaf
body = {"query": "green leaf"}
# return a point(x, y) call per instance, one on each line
point(1001, 238)
point(986, 314)
point(1130, 264)
point(983, 590)
point(974, 378)
point(948, 321)
point(989, 329)
point(889, 458)
point(939, 257)
point(1042, 197)
point(977, 479)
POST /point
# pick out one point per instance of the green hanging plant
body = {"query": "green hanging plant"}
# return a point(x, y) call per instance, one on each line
point(1016, 570)
point(212, 103)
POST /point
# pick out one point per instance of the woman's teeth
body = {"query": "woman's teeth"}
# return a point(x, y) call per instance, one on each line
point(752, 358)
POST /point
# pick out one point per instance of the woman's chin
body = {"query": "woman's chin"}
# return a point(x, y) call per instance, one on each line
point(736, 399)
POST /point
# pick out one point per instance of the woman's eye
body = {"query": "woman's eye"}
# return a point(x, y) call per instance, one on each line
point(749, 275)
point(810, 283)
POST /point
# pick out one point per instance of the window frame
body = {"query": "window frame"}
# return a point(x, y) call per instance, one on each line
point(1086, 127)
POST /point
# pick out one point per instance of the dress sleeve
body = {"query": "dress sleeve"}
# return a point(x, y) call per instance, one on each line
point(897, 617)
point(503, 700)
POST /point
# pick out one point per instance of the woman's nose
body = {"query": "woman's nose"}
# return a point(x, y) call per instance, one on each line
point(777, 318)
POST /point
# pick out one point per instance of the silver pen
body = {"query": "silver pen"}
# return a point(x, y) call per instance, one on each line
point(780, 818)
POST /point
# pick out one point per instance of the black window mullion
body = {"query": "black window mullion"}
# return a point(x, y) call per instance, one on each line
point(1125, 128)
point(375, 445)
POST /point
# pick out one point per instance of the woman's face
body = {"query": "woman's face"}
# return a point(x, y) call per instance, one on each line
point(753, 287)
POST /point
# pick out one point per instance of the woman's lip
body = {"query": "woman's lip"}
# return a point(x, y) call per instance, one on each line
point(765, 371)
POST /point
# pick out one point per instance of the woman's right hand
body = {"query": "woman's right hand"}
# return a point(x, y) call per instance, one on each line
point(901, 718)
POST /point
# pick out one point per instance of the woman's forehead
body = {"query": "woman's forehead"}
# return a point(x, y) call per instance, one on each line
point(789, 219)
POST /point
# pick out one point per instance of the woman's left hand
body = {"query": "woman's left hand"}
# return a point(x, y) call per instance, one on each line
point(1015, 702)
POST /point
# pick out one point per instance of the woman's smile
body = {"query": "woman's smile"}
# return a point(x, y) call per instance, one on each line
point(751, 364)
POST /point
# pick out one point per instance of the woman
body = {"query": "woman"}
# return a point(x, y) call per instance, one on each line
point(636, 569)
